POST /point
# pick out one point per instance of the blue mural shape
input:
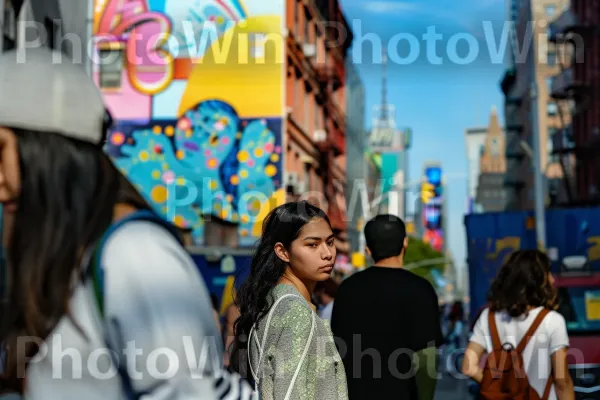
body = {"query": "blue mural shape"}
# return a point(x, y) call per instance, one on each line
point(209, 162)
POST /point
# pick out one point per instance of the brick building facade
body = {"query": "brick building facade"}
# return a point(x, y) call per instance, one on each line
point(578, 88)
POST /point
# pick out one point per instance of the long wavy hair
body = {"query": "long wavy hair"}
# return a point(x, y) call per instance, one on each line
point(523, 282)
point(282, 225)
point(69, 189)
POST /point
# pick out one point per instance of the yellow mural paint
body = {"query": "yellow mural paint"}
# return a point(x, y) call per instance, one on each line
point(593, 252)
point(228, 294)
point(277, 199)
point(179, 221)
point(271, 170)
point(144, 155)
point(219, 74)
point(159, 194)
point(243, 156)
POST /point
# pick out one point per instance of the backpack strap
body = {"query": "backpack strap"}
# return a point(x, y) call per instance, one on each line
point(496, 344)
point(532, 329)
point(97, 275)
point(96, 269)
point(261, 348)
point(527, 338)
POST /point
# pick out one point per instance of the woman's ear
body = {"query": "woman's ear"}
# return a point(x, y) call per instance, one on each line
point(282, 252)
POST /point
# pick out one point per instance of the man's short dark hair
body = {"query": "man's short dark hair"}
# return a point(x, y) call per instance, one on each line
point(385, 236)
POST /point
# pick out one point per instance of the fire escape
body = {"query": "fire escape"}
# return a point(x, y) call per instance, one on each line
point(571, 93)
point(334, 144)
point(331, 77)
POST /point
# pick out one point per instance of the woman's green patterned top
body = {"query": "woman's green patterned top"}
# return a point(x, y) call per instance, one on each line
point(322, 376)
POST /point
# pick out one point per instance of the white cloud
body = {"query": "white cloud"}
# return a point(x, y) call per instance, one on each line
point(384, 7)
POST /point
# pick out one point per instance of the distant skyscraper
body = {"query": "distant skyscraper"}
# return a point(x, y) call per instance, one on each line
point(475, 142)
point(390, 146)
point(491, 194)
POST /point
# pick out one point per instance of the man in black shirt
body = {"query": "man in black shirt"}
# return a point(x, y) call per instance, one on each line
point(386, 322)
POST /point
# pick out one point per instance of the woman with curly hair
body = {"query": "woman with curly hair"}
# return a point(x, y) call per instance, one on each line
point(522, 291)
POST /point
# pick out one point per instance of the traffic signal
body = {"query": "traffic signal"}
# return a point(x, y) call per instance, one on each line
point(427, 192)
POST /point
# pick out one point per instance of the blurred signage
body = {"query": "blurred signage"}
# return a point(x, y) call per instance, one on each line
point(432, 201)
point(358, 260)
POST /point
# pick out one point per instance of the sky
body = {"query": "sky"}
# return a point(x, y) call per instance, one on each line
point(438, 101)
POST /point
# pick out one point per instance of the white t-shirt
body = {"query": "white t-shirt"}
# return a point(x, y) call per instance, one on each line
point(549, 337)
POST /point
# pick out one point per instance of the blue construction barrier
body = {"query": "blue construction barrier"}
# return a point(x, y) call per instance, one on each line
point(491, 237)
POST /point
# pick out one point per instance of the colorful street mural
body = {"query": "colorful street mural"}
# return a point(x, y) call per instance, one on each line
point(198, 104)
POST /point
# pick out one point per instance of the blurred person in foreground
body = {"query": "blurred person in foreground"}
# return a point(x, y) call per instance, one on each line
point(76, 218)
point(387, 322)
point(522, 303)
point(279, 338)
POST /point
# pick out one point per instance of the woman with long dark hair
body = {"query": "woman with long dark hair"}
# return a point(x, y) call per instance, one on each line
point(89, 265)
point(522, 302)
point(278, 333)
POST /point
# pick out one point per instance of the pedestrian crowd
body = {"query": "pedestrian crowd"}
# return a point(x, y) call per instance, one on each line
point(102, 301)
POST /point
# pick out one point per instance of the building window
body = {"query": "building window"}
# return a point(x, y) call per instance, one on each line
point(111, 68)
point(307, 176)
point(307, 25)
point(549, 83)
point(552, 58)
point(297, 91)
point(307, 97)
point(552, 109)
point(317, 115)
point(550, 10)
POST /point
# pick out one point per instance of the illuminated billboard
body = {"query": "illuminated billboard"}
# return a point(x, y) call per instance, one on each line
point(432, 207)
point(197, 90)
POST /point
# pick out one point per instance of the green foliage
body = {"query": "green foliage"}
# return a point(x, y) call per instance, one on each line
point(418, 251)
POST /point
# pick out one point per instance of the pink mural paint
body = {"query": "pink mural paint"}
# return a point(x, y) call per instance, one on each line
point(148, 68)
